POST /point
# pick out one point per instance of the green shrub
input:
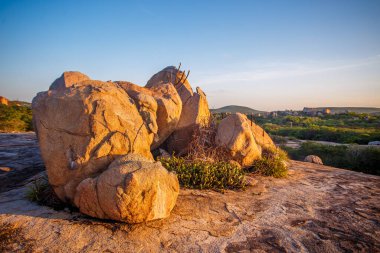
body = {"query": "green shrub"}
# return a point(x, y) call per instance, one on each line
point(342, 128)
point(273, 163)
point(36, 191)
point(43, 194)
point(15, 118)
point(204, 174)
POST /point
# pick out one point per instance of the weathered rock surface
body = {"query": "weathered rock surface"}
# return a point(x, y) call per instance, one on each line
point(315, 209)
point(195, 110)
point(146, 105)
point(261, 137)
point(234, 133)
point(195, 114)
point(168, 109)
point(133, 189)
point(313, 159)
point(81, 129)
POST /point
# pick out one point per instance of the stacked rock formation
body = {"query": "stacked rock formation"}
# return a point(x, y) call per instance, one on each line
point(96, 140)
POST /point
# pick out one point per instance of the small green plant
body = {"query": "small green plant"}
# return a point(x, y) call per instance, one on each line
point(197, 174)
point(273, 163)
point(42, 193)
point(36, 191)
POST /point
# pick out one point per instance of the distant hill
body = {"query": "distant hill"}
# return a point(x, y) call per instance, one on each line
point(236, 108)
point(345, 109)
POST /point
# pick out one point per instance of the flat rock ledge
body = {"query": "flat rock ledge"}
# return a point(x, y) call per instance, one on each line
point(316, 209)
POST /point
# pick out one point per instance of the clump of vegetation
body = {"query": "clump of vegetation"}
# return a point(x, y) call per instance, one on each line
point(15, 118)
point(43, 194)
point(354, 157)
point(326, 133)
point(347, 128)
point(207, 166)
point(273, 163)
point(198, 174)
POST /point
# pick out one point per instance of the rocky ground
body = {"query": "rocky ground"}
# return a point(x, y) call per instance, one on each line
point(316, 209)
point(19, 159)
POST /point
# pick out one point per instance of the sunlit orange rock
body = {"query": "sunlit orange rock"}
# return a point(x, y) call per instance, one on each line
point(235, 135)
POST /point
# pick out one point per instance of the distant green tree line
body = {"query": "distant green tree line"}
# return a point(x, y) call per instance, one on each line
point(15, 118)
point(342, 128)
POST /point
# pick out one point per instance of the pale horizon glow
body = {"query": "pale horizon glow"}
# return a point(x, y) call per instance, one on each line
point(271, 55)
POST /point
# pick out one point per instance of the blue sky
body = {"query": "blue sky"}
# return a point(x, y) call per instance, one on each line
point(267, 55)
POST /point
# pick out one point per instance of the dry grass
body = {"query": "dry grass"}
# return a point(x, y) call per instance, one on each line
point(202, 146)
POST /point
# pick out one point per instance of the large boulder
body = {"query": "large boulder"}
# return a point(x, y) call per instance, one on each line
point(165, 115)
point(132, 189)
point(313, 159)
point(235, 135)
point(82, 128)
point(195, 110)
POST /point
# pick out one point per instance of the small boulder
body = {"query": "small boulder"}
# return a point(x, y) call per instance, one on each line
point(67, 79)
point(163, 153)
point(133, 189)
point(235, 135)
point(313, 159)
point(172, 75)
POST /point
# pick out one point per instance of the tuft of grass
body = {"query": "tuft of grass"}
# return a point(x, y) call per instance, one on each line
point(198, 174)
point(43, 194)
point(272, 163)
